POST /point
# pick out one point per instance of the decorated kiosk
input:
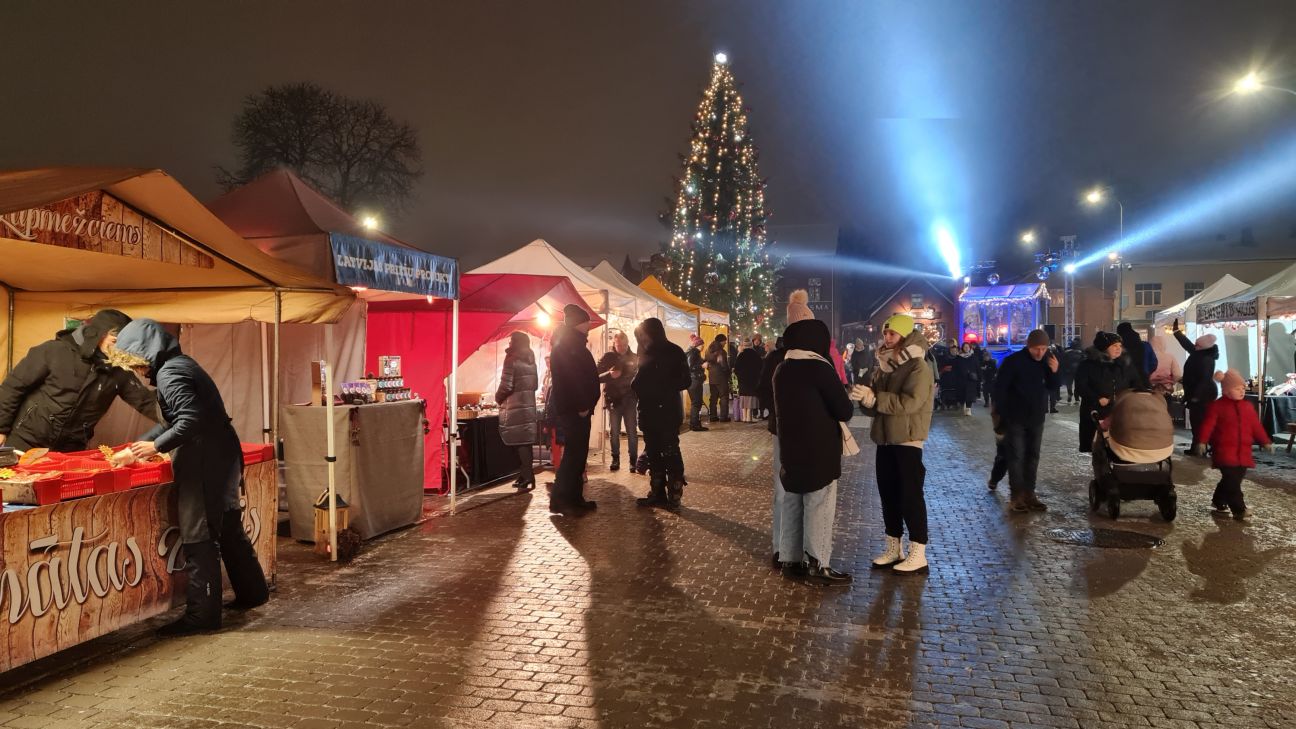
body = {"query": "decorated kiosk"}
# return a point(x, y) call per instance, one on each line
point(98, 549)
point(1001, 317)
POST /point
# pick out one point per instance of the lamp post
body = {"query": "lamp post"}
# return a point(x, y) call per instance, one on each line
point(1096, 197)
point(1252, 83)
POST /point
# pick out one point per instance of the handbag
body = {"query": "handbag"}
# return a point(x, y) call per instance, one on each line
point(849, 446)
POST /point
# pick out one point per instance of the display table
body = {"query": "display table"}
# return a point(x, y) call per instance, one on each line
point(78, 569)
point(379, 468)
point(1277, 412)
point(482, 454)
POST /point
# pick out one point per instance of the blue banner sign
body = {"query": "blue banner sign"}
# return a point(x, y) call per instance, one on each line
point(372, 265)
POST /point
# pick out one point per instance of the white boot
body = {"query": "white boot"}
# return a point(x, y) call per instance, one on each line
point(967, 410)
point(893, 554)
point(915, 562)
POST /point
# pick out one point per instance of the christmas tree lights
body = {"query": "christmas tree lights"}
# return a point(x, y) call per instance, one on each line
point(718, 255)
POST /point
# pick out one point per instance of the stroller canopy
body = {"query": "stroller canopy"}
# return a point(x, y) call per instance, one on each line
point(1141, 429)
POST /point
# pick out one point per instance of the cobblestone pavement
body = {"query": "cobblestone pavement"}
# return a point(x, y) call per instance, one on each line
point(504, 616)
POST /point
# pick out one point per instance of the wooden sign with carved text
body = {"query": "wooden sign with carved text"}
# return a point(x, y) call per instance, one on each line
point(76, 570)
point(97, 221)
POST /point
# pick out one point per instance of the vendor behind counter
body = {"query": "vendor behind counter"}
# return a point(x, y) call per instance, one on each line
point(56, 395)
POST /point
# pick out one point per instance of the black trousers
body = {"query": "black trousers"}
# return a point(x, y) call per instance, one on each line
point(1069, 383)
point(1088, 428)
point(665, 461)
point(695, 405)
point(1021, 446)
point(1196, 416)
point(1229, 489)
point(719, 405)
point(900, 476)
point(569, 482)
point(985, 392)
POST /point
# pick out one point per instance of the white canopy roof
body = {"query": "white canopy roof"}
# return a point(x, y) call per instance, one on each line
point(539, 257)
point(1186, 311)
point(1272, 297)
point(672, 317)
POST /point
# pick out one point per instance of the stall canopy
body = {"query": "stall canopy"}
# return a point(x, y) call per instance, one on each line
point(75, 240)
point(491, 307)
point(1266, 311)
point(679, 323)
point(622, 308)
point(1269, 299)
point(710, 321)
point(1171, 356)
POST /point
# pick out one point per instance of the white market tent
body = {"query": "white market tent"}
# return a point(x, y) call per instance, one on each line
point(75, 240)
point(1170, 355)
point(679, 323)
point(1267, 308)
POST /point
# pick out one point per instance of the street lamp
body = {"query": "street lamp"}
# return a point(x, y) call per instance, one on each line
point(1251, 83)
point(369, 222)
point(1028, 237)
point(1096, 197)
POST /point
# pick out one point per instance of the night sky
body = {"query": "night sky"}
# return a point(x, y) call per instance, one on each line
point(564, 120)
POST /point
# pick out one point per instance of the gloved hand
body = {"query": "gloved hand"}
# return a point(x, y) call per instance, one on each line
point(1199, 450)
point(864, 395)
point(1175, 328)
point(1268, 448)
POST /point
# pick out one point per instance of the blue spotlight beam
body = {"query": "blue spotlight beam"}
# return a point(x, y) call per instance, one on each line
point(948, 248)
point(1260, 179)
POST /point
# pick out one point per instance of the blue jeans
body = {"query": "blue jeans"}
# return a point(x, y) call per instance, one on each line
point(807, 524)
point(625, 413)
point(778, 501)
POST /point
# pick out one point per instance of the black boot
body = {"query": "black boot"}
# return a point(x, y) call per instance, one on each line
point(526, 472)
point(241, 564)
point(656, 493)
point(203, 593)
point(675, 492)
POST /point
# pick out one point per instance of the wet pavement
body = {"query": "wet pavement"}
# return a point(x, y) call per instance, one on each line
point(504, 616)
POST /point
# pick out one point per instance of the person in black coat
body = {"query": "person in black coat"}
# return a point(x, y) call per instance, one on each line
point(1199, 385)
point(810, 406)
point(719, 368)
point(663, 373)
point(697, 378)
point(207, 464)
point(54, 397)
point(1102, 374)
point(989, 370)
point(1023, 388)
point(747, 368)
point(765, 390)
point(967, 373)
point(516, 397)
point(1139, 355)
point(1068, 365)
point(572, 399)
point(617, 369)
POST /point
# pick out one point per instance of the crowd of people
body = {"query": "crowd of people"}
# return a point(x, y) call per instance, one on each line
point(806, 390)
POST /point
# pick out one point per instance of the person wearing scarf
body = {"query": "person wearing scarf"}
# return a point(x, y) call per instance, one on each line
point(899, 398)
point(662, 373)
point(811, 407)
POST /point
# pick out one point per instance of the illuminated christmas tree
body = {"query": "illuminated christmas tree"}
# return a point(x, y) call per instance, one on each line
point(718, 255)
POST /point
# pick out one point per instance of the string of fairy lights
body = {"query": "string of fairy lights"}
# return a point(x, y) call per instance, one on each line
point(718, 255)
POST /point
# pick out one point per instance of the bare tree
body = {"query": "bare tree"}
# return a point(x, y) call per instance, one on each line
point(350, 149)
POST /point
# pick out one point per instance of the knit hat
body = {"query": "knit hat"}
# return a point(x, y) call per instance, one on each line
point(901, 324)
point(1205, 341)
point(1229, 380)
point(695, 340)
point(1103, 340)
point(1037, 337)
point(797, 309)
point(574, 315)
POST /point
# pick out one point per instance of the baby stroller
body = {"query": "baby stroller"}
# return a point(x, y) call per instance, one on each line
point(1131, 455)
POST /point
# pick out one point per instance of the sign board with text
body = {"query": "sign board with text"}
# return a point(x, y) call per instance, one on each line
point(367, 264)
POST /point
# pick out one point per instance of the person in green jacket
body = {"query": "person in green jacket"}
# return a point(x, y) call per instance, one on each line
point(899, 398)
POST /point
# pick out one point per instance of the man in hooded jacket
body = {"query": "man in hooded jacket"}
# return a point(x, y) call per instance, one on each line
point(663, 372)
point(573, 397)
point(207, 463)
point(56, 395)
point(1198, 379)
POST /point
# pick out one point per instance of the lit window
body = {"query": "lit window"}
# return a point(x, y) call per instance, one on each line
point(915, 301)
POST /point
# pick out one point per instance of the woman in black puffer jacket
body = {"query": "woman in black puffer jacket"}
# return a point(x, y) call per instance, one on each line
point(516, 398)
point(663, 373)
point(1100, 376)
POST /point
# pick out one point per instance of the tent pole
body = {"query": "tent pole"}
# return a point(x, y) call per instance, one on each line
point(607, 344)
point(452, 405)
point(10, 340)
point(265, 383)
point(331, 456)
point(274, 411)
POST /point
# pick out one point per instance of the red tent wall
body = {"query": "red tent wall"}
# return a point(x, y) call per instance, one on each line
point(419, 332)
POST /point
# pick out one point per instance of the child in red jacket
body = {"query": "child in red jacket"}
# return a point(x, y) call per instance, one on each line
point(1232, 427)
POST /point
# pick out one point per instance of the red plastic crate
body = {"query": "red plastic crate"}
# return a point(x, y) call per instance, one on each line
point(149, 474)
point(257, 453)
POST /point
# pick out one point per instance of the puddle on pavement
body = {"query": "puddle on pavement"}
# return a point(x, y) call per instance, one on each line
point(1105, 538)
